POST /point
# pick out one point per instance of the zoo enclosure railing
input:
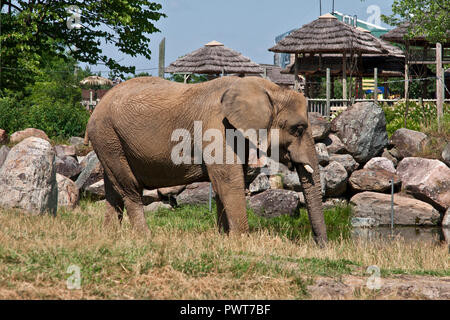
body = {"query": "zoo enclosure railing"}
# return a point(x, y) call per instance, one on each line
point(337, 105)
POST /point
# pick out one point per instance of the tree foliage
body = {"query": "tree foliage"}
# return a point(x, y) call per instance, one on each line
point(430, 18)
point(33, 29)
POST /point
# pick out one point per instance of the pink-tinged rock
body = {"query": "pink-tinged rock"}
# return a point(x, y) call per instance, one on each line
point(320, 127)
point(427, 180)
point(446, 219)
point(171, 191)
point(28, 177)
point(380, 163)
point(322, 154)
point(18, 136)
point(334, 144)
point(408, 142)
point(150, 196)
point(335, 177)
point(376, 179)
point(4, 150)
point(96, 190)
point(195, 194)
point(68, 193)
point(3, 137)
point(407, 210)
point(65, 151)
point(273, 203)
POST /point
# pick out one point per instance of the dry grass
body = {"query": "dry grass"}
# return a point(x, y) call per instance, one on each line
point(184, 261)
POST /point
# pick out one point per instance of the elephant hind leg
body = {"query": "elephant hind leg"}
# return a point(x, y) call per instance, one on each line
point(114, 205)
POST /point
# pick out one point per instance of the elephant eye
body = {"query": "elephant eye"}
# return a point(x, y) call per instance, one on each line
point(297, 130)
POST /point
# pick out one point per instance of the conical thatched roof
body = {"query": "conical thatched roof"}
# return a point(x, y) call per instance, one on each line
point(400, 34)
point(96, 81)
point(389, 49)
point(214, 58)
point(327, 34)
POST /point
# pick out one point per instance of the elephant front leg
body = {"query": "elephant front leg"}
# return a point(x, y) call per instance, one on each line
point(228, 182)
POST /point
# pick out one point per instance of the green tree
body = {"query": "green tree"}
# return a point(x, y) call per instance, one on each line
point(31, 29)
point(430, 18)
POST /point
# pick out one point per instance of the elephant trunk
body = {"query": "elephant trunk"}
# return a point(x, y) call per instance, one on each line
point(313, 197)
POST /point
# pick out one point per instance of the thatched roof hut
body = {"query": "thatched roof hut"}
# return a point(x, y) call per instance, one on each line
point(214, 58)
point(327, 35)
point(400, 34)
point(96, 81)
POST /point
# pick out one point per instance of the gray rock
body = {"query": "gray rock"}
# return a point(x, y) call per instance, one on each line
point(407, 211)
point(386, 154)
point(346, 160)
point(150, 196)
point(408, 142)
point(4, 150)
point(195, 194)
point(96, 190)
point(320, 126)
point(171, 191)
point(446, 219)
point(362, 129)
point(378, 180)
point(446, 154)
point(75, 141)
point(260, 184)
point(68, 193)
point(65, 151)
point(155, 206)
point(335, 177)
point(67, 166)
point(28, 177)
point(358, 222)
point(291, 180)
point(427, 180)
point(334, 144)
point(273, 203)
point(91, 173)
point(380, 163)
point(322, 154)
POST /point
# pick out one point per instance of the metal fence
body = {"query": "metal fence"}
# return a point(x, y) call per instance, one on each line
point(337, 105)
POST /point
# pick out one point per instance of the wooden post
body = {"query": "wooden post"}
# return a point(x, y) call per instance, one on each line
point(344, 77)
point(332, 87)
point(386, 88)
point(162, 57)
point(375, 85)
point(439, 84)
point(296, 77)
point(328, 92)
point(407, 73)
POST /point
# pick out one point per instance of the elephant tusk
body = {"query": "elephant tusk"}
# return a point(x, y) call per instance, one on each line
point(309, 169)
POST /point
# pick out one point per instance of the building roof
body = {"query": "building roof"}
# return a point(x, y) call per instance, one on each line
point(273, 73)
point(400, 34)
point(328, 35)
point(214, 58)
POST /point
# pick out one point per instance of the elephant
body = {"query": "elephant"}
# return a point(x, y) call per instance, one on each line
point(131, 131)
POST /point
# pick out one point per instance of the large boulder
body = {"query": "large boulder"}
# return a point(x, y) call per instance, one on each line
point(3, 137)
point(320, 126)
point(67, 166)
point(259, 184)
point(407, 211)
point(346, 160)
point(65, 151)
point(446, 154)
point(375, 179)
point(322, 154)
point(362, 129)
point(155, 206)
point(408, 142)
point(4, 150)
point(18, 136)
point(68, 193)
point(427, 180)
point(334, 144)
point(387, 154)
point(92, 171)
point(335, 177)
point(273, 203)
point(28, 177)
point(380, 163)
point(195, 194)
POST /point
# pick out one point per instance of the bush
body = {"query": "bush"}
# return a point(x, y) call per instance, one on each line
point(418, 116)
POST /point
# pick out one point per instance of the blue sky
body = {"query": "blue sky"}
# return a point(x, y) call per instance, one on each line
point(247, 26)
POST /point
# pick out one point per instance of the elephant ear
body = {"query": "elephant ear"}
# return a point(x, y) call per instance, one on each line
point(247, 106)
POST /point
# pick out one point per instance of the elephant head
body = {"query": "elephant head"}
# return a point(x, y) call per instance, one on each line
point(255, 103)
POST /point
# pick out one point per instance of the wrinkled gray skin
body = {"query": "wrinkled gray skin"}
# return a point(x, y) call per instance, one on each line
point(131, 130)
